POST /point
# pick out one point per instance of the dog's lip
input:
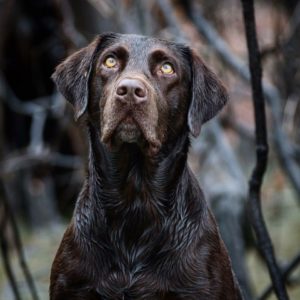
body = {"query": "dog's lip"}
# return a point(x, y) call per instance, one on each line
point(128, 122)
point(131, 122)
point(128, 119)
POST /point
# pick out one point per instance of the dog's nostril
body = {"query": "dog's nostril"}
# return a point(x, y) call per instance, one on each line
point(140, 92)
point(122, 90)
point(131, 90)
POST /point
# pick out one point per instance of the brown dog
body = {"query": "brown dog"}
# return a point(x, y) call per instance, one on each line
point(141, 227)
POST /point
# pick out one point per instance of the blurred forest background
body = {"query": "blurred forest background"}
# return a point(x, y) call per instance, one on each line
point(42, 150)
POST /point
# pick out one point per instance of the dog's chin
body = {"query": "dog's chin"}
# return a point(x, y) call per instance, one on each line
point(128, 131)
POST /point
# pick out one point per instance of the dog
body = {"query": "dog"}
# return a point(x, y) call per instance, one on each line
point(141, 228)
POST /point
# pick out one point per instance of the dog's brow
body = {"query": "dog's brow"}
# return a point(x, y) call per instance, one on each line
point(163, 51)
point(161, 54)
point(119, 50)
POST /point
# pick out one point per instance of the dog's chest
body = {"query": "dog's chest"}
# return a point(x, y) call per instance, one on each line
point(145, 280)
point(140, 260)
point(131, 272)
point(139, 250)
point(128, 284)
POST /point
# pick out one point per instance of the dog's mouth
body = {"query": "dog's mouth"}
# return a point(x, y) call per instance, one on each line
point(128, 131)
point(130, 128)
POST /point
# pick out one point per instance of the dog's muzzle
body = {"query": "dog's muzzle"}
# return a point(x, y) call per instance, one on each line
point(130, 113)
point(130, 93)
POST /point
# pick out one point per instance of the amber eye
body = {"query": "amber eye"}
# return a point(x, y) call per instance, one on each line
point(167, 68)
point(110, 62)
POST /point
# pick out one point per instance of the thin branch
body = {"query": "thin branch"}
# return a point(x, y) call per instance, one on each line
point(68, 25)
point(28, 160)
point(242, 130)
point(105, 8)
point(5, 254)
point(53, 104)
point(254, 202)
point(295, 262)
point(228, 154)
point(296, 151)
point(282, 144)
point(38, 123)
point(168, 13)
point(19, 249)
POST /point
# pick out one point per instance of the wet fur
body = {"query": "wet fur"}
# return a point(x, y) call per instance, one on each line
point(141, 227)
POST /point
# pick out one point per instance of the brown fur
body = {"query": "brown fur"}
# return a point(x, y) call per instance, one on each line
point(141, 227)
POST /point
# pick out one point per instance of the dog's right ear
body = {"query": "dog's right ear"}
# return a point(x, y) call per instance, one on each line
point(72, 75)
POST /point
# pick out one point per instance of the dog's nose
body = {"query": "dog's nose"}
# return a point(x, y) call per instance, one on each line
point(131, 89)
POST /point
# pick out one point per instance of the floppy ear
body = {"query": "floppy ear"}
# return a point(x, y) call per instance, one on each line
point(208, 95)
point(72, 76)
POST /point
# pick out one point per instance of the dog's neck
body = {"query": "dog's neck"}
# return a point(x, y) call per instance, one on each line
point(126, 180)
point(130, 168)
point(125, 177)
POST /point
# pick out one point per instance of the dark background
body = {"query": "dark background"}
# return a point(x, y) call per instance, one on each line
point(42, 150)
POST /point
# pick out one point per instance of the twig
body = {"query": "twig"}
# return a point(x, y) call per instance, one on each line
point(105, 8)
point(285, 274)
point(8, 268)
point(242, 130)
point(296, 151)
point(281, 141)
point(254, 201)
point(68, 25)
point(28, 160)
point(39, 109)
point(168, 12)
point(5, 253)
point(224, 147)
point(19, 249)
point(38, 122)
point(35, 106)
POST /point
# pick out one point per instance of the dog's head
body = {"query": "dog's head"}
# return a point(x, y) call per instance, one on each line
point(140, 89)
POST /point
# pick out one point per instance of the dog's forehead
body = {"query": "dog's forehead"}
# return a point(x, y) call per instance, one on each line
point(137, 41)
point(141, 46)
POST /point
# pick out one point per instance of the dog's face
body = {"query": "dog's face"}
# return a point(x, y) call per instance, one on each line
point(140, 85)
point(139, 89)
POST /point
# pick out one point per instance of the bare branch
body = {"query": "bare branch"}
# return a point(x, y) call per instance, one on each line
point(19, 248)
point(36, 132)
point(293, 264)
point(28, 160)
point(254, 202)
point(6, 260)
point(52, 103)
point(68, 25)
point(242, 130)
point(168, 12)
point(271, 94)
point(105, 8)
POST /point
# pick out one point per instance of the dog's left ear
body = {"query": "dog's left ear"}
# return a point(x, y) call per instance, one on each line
point(208, 95)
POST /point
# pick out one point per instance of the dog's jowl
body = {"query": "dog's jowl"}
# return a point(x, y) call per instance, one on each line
point(141, 228)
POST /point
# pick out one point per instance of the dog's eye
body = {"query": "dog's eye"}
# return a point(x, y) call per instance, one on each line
point(167, 68)
point(110, 62)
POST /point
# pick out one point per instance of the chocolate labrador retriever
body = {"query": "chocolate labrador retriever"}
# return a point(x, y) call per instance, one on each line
point(141, 227)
